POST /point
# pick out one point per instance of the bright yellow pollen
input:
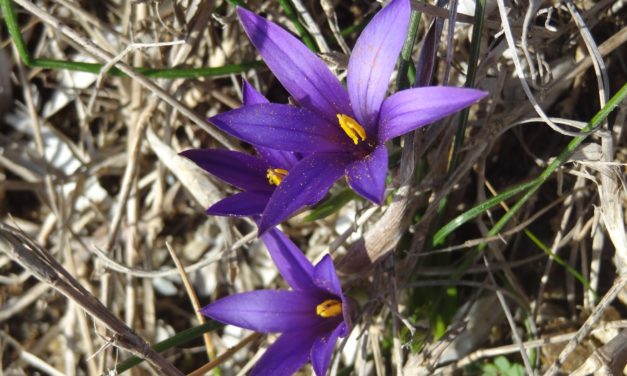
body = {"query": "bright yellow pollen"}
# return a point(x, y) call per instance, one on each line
point(352, 128)
point(329, 308)
point(276, 175)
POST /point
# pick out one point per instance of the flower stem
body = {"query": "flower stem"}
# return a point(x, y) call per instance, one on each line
point(405, 63)
point(470, 80)
point(10, 18)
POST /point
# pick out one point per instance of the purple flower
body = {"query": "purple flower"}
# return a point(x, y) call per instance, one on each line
point(311, 316)
point(341, 132)
point(256, 176)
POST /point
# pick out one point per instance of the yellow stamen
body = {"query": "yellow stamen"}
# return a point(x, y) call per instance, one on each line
point(352, 128)
point(276, 175)
point(329, 308)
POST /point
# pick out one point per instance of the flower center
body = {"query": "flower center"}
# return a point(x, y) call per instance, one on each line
point(276, 175)
point(329, 308)
point(352, 128)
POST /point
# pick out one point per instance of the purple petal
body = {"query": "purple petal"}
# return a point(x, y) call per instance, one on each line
point(428, 53)
point(239, 169)
point(366, 176)
point(413, 108)
point(292, 264)
point(325, 277)
point(242, 204)
point(306, 184)
point(266, 311)
point(373, 60)
point(278, 158)
point(286, 355)
point(250, 95)
point(275, 158)
point(282, 127)
point(301, 72)
point(323, 347)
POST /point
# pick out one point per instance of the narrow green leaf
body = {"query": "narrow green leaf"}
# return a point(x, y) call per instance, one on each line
point(405, 62)
point(560, 159)
point(474, 212)
point(10, 19)
point(584, 282)
point(331, 205)
point(177, 340)
point(290, 12)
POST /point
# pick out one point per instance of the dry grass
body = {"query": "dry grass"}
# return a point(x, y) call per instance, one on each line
point(89, 171)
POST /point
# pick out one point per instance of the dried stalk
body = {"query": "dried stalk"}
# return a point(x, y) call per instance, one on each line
point(34, 258)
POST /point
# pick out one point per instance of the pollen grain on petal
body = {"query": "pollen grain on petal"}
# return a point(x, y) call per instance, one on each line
point(276, 175)
point(329, 308)
point(352, 128)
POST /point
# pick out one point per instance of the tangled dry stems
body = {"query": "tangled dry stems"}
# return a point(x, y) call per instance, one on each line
point(89, 171)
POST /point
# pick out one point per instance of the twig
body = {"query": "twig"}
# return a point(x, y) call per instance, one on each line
point(28, 96)
point(99, 53)
point(110, 64)
point(397, 354)
point(606, 48)
point(618, 286)
point(510, 320)
point(373, 336)
point(222, 357)
point(327, 7)
point(9, 310)
point(193, 298)
point(78, 66)
point(141, 273)
point(38, 261)
point(311, 25)
point(510, 349)
point(521, 74)
point(607, 360)
point(30, 358)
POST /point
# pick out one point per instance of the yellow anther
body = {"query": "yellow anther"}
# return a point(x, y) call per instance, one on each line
point(329, 308)
point(276, 175)
point(352, 128)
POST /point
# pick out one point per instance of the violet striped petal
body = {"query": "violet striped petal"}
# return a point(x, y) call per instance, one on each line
point(275, 158)
point(292, 264)
point(250, 95)
point(266, 311)
point(298, 69)
point(325, 277)
point(242, 204)
point(278, 158)
point(286, 355)
point(239, 169)
point(428, 53)
point(281, 127)
point(366, 176)
point(323, 347)
point(372, 62)
point(413, 108)
point(307, 183)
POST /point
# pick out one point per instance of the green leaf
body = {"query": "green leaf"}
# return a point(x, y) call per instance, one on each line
point(442, 233)
point(502, 363)
point(331, 205)
point(10, 18)
point(490, 370)
point(516, 370)
point(174, 341)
